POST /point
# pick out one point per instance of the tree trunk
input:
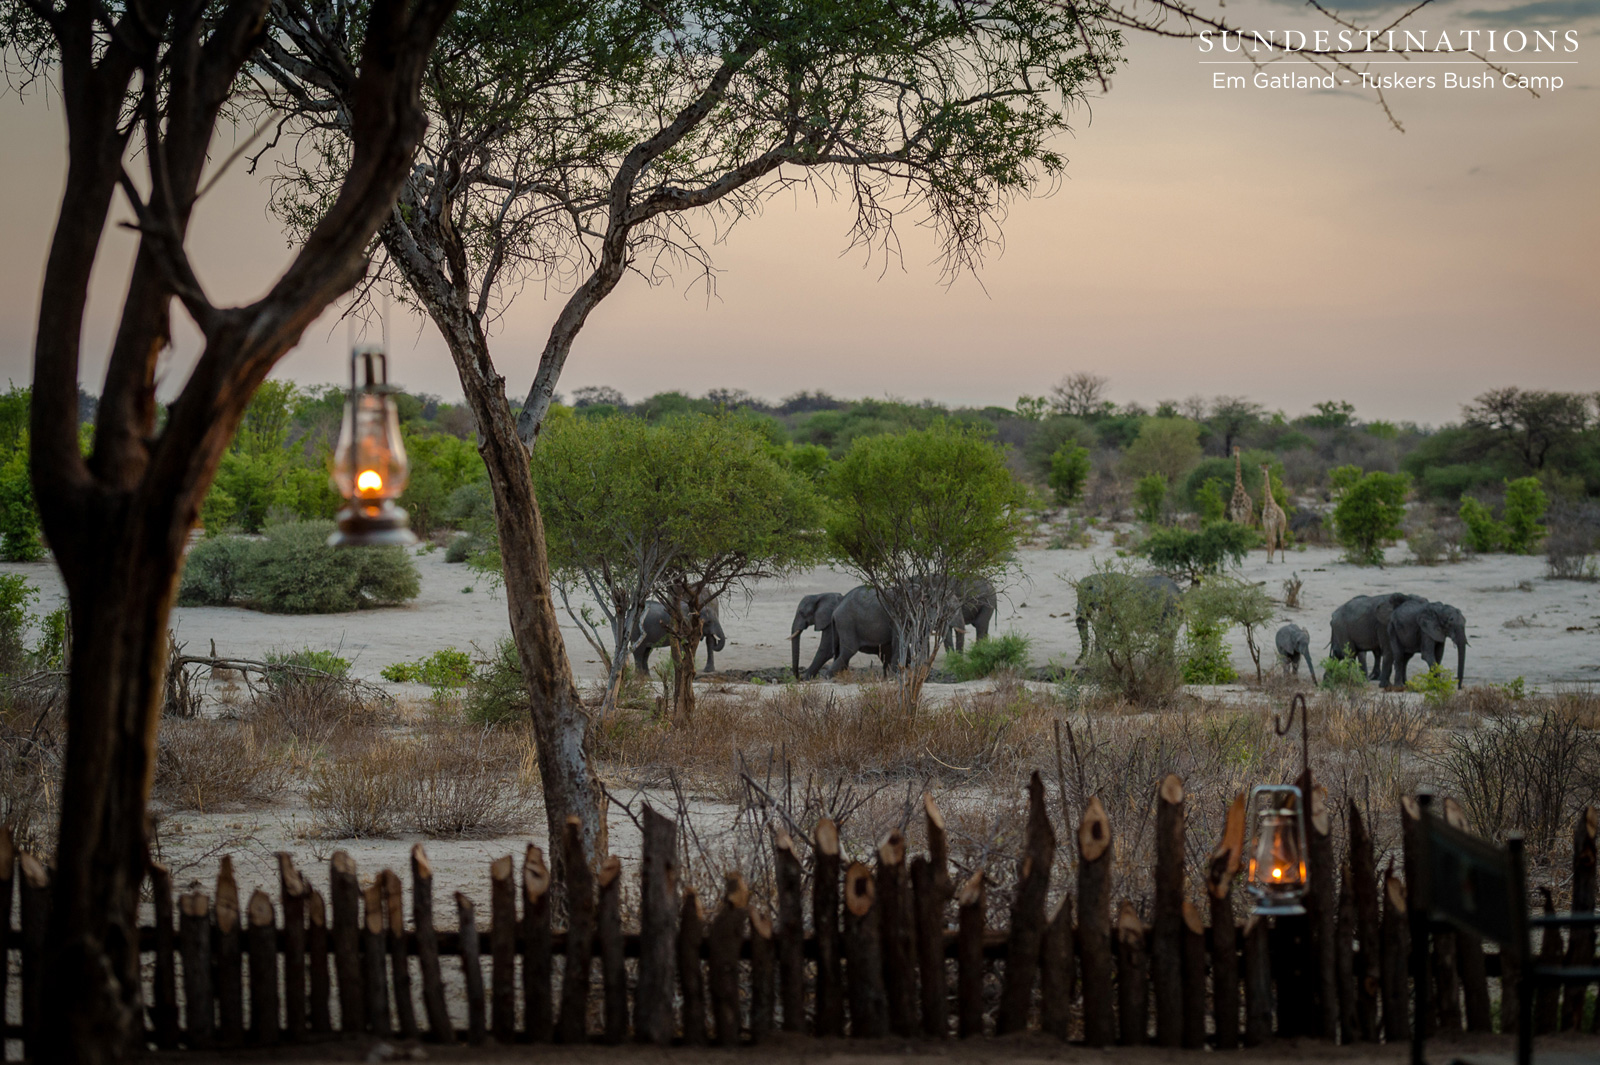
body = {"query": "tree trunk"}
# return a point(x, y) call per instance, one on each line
point(560, 725)
point(683, 670)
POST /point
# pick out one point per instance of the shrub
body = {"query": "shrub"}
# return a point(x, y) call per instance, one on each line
point(292, 570)
point(321, 661)
point(1166, 446)
point(468, 789)
point(15, 595)
point(1135, 633)
point(1524, 508)
point(1437, 685)
point(1570, 547)
point(1205, 656)
point(1342, 674)
point(1369, 510)
point(364, 792)
point(1069, 473)
point(54, 628)
point(1221, 602)
point(1211, 500)
point(1185, 555)
point(444, 671)
point(1484, 534)
point(203, 765)
point(983, 657)
point(1426, 545)
point(213, 572)
point(496, 694)
point(1151, 494)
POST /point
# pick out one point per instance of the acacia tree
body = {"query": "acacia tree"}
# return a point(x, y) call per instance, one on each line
point(144, 87)
point(923, 517)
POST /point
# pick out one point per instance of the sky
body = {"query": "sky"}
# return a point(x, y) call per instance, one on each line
point(1289, 245)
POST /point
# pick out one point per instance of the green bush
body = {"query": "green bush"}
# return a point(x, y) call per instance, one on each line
point(1484, 534)
point(1524, 508)
point(496, 694)
point(1134, 630)
point(446, 669)
point(292, 570)
point(1211, 501)
point(984, 657)
point(323, 661)
point(1151, 494)
point(1185, 555)
point(1205, 656)
point(1342, 674)
point(1069, 473)
point(1437, 685)
point(1368, 512)
point(1218, 604)
point(15, 596)
point(51, 652)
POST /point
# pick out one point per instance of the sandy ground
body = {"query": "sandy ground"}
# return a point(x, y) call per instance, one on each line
point(1518, 622)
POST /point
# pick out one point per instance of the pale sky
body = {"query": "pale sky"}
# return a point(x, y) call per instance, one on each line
point(1288, 245)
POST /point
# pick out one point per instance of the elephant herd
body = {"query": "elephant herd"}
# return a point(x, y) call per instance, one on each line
point(1394, 627)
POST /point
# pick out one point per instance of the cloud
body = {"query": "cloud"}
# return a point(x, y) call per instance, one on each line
point(1538, 12)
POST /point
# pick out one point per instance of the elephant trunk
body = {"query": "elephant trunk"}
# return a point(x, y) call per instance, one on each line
point(1311, 665)
point(1461, 660)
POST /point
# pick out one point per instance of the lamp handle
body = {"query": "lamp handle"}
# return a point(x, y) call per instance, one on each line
point(1281, 728)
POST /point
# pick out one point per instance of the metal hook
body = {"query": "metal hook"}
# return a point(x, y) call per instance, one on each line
point(1281, 728)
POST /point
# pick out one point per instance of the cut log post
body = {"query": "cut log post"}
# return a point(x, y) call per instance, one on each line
point(763, 977)
point(164, 1008)
point(1027, 914)
point(895, 928)
point(194, 937)
point(825, 927)
point(471, 970)
point(572, 1024)
point(8, 862)
point(789, 933)
point(1057, 972)
point(931, 888)
point(726, 938)
point(1470, 962)
point(440, 1028)
point(1094, 925)
point(1580, 940)
point(1194, 977)
point(969, 957)
point(1396, 953)
point(394, 915)
point(1257, 982)
point(502, 950)
point(658, 929)
point(691, 978)
point(1345, 959)
point(863, 951)
point(1369, 921)
point(1221, 872)
point(613, 963)
point(1133, 979)
point(1166, 944)
point(344, 895)
point(263, 938)
point(229, 958)
point(374, 963)
point(1322, 909)
point(1547, 999)
point(321, 986)
point(538, 1003)
point(292, 890)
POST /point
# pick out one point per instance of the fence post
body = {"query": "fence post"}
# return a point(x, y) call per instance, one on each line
point(230, 970)
point(763, 977)
point(1166, 945)
point(1027, 914)
point(374, 979)
point(1322, 904)
point(164, 1010)
point(1194, 977)
point(503, 949)
point(1094, 925)
point(394, 915)
point(863, 951)
point(613, 966)
point(825, 926)
point(572, 1025)
point(1345, 958)
point(471, 969)
point(1396, 954)
point(263, 970)
point(440, 1028)
point(970, 903)
point(789, 933)
point(1364, 883)
point(1221, 872)
point(931, 890)
point(691, 979)
point(538, 1005)
point(893, 893)
point(292, 892)
point(726, 937)
point(194, 936)
point(1258, 982)
point(317, 955)
point(1133, 978)
point(344, 894)
point(1580, 940)
point(1057, 972)
point(658, 887)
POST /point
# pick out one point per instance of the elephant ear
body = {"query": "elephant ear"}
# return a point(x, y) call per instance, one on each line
point(1432, 625)
point(825, 613)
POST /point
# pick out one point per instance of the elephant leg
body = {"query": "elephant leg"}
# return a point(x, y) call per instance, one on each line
point(641, 658)
point(711, 658)
point(1294, 664)
point(847, 650)
point(980, 624)
point(1400, 661)
point(1083, 638)
point(961, 638)
point(827, 647)
point(952, 638)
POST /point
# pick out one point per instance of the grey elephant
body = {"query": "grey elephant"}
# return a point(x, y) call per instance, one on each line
point(1421, 628)
point(1095, 590)
point(1361, 626)
point(1294, 643)
point(977, 610)
point(815, 611)
point(860, 623)
point(653, 630)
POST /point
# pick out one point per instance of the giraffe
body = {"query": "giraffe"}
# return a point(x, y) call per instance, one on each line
point(1274, 522)
point(1240, 510)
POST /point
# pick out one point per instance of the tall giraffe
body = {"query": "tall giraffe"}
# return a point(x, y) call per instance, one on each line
point(1241, 511)
point(1274, 522)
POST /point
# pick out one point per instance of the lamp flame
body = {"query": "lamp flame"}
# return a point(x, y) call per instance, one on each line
point(369, 481)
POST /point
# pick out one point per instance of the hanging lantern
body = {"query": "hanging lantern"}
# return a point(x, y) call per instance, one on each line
point(1276, 878)
point(369, 465)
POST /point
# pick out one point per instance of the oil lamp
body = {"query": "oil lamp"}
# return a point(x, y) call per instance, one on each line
point(1276, 877)
point(369, 465)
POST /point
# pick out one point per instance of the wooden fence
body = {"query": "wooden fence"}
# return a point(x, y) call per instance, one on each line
point(881, 956)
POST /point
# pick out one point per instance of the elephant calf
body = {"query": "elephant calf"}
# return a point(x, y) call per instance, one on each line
point(1294, 643)
point(654, 630)
point(977, 610)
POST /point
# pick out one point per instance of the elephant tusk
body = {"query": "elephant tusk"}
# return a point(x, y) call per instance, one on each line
point(795, 635)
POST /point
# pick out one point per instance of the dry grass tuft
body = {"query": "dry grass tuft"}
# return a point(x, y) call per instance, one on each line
point(208, 765)
point(32, 734)
point(360, 790)
point(314, 712)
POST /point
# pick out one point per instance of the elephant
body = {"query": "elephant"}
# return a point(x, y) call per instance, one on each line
point(651, 631)
point(1094, 589)
point(977, 610)
point(1362, 625)
point(815, 611)
point(1421, 628)
point(1294, 643)
point(860, 623)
